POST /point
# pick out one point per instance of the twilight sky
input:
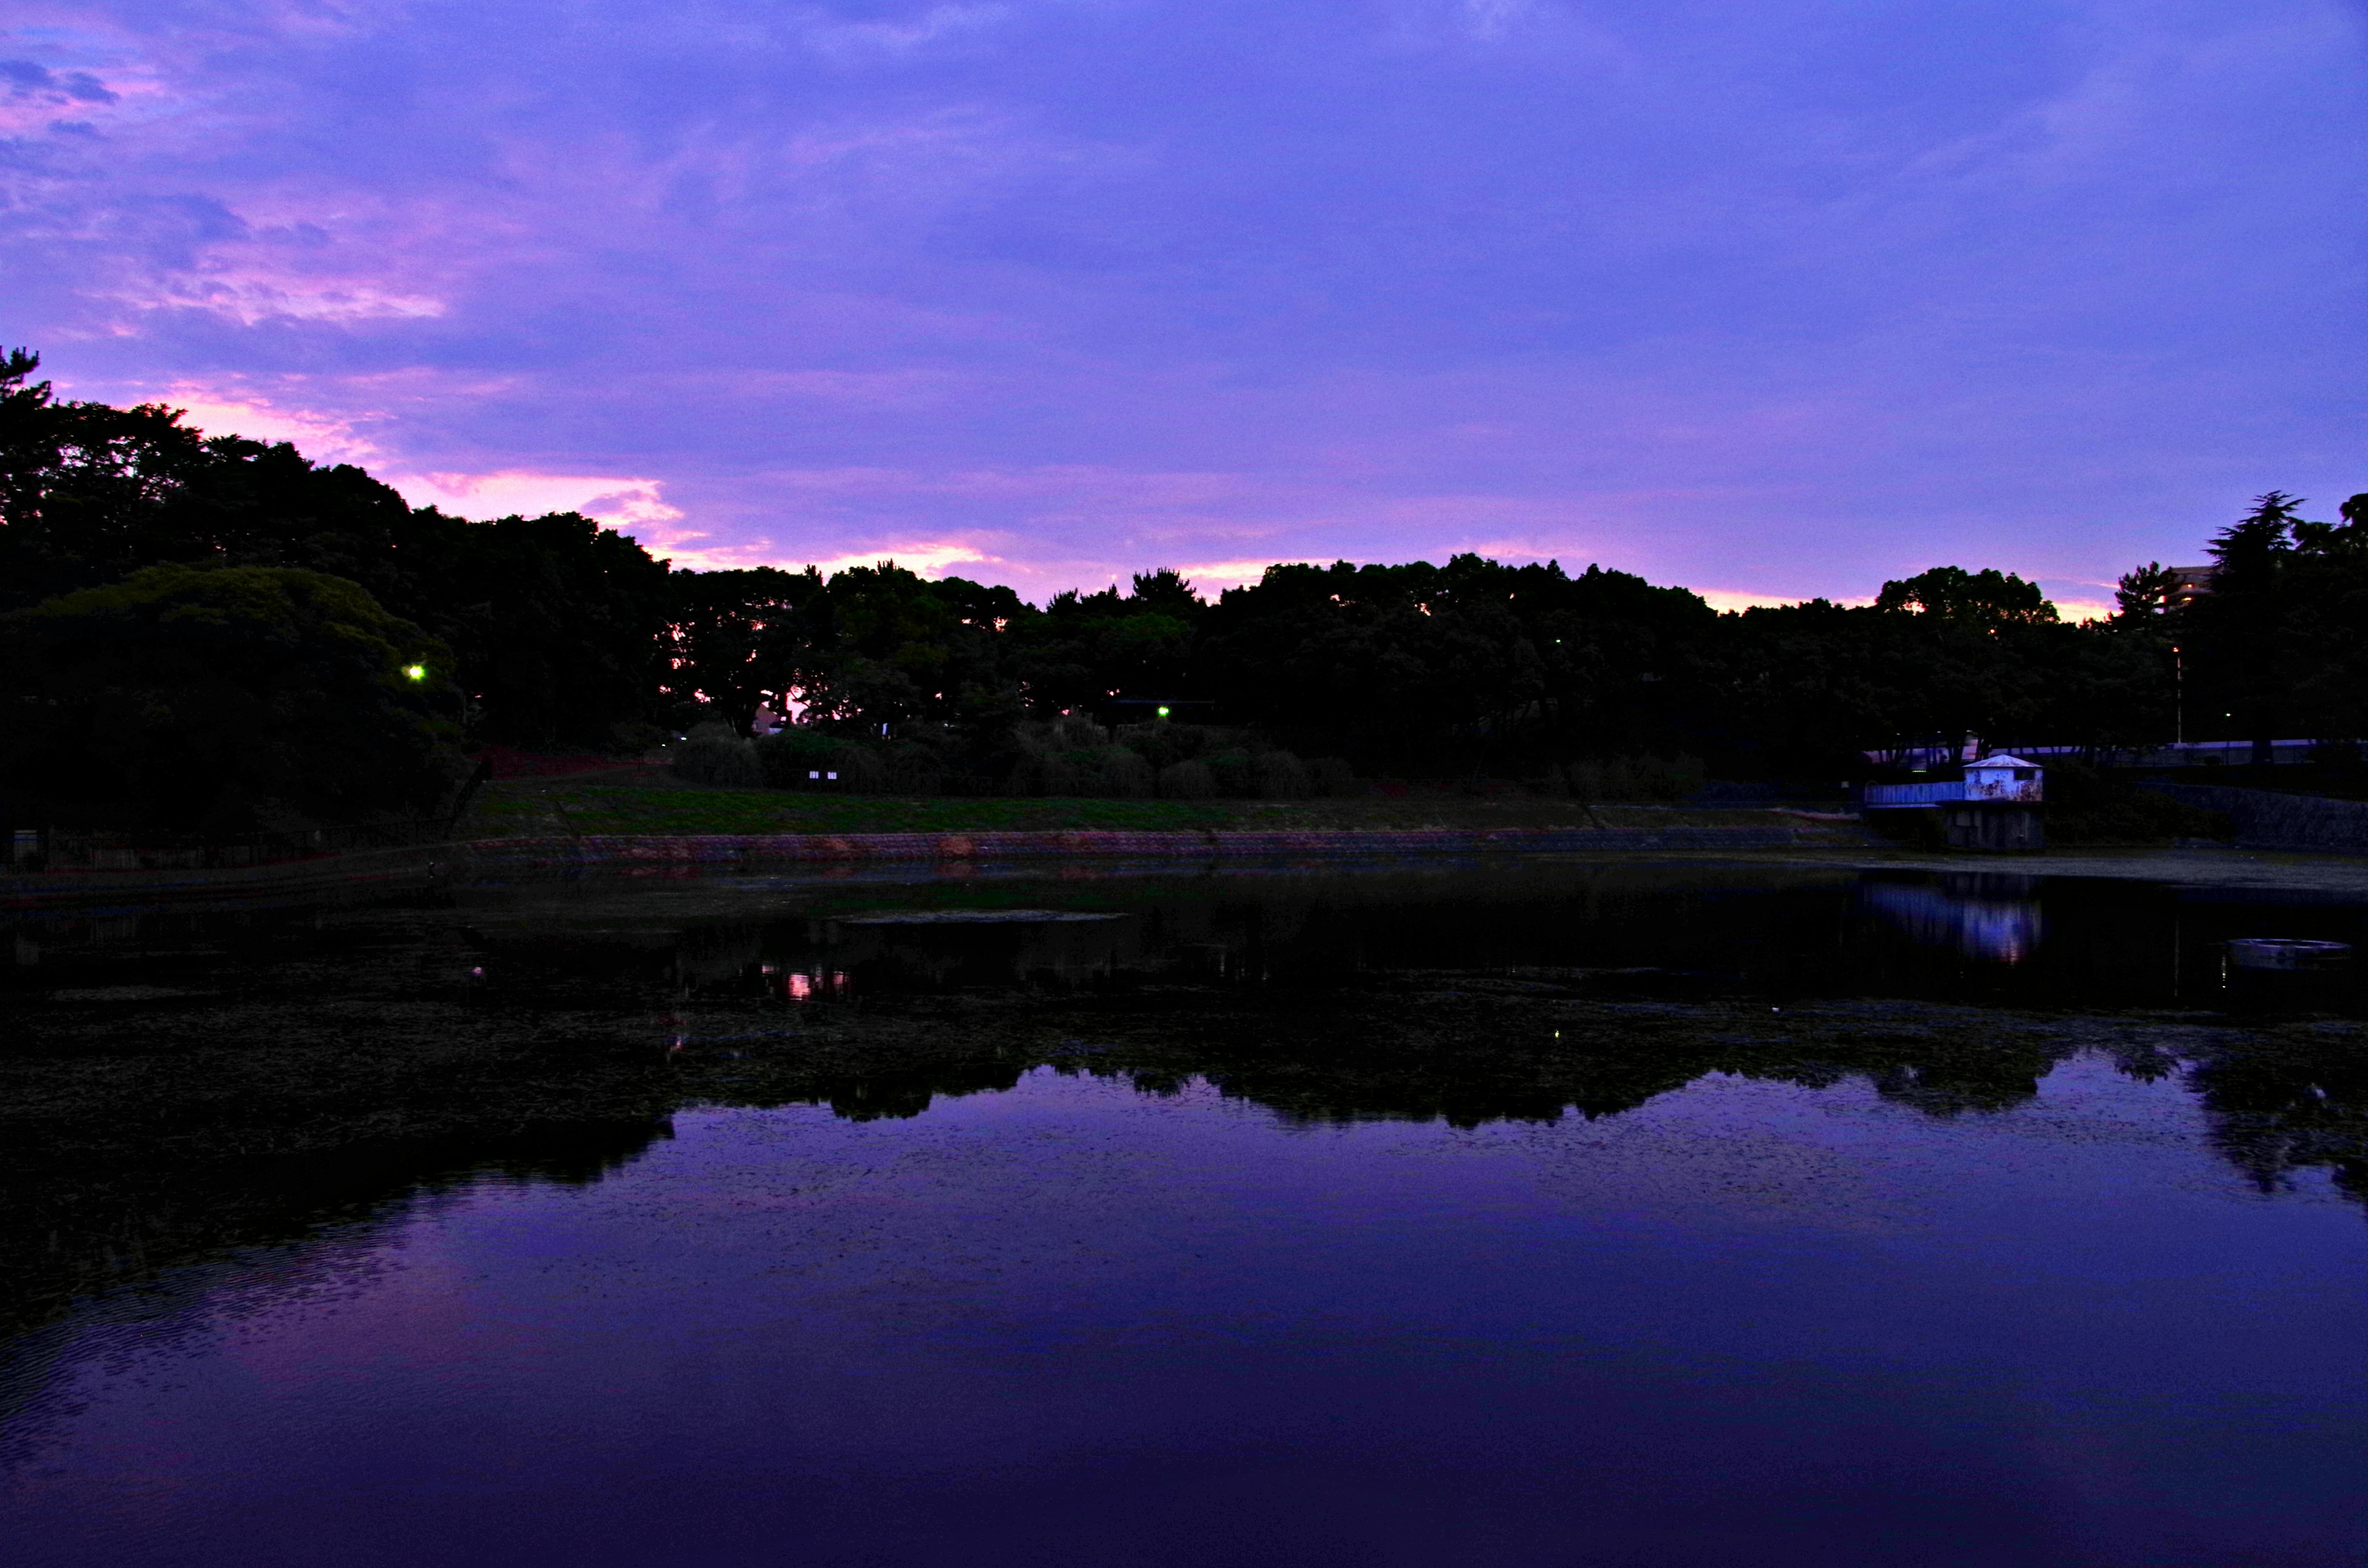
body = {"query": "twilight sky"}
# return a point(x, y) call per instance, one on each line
point(1770, 299)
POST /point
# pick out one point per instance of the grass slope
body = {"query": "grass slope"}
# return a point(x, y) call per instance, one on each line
point(648, 800)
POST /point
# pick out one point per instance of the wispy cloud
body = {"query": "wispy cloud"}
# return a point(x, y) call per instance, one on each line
point(620, 502)
point(325, 438)
point(1052, 293)
point(252, 298)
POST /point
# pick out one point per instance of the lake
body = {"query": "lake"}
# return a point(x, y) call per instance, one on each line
point(1618, 1213)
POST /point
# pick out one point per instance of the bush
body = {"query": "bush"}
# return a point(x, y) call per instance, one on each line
point(1636, 778)
point(714, 754)
point(632, 737)
point(1071, 757)
point(1100, 770)
point(1068, 773)
point(914, 770)
point(1333, 776)
point(1279, 777)
point(1126, 774)
point(1233, 770)
point(861, 770)
point(1187, 781)
point(2088, 805)
point(1162, 744)
point(789, 754)
point(792, 757)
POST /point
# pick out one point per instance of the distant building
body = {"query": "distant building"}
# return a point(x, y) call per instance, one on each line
point(1995, 806)
point(2189, 584)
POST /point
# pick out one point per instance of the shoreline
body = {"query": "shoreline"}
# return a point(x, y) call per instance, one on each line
point(470, 860)
point(490, 860)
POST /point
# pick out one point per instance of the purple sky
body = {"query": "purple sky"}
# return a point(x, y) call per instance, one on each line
point(1770, 300)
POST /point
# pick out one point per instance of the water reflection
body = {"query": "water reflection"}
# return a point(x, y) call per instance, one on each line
point(146, 1047)
point(1627, 1168)
point(1054, 1329)
point(1993, 918)
point(2015, 940)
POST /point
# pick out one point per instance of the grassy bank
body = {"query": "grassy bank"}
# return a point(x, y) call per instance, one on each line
point(650, 801)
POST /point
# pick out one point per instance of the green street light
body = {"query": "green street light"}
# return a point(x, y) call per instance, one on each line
point(1163, 713)
point(415, 672)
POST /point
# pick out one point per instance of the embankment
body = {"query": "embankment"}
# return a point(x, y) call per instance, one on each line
point(2266, 820)
point(491, 860)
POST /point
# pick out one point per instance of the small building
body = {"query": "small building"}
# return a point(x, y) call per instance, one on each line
point(1996, 806)
point(2189, 584)
point(2005, 780)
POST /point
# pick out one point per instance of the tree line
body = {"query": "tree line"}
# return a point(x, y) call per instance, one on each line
point(188, 621)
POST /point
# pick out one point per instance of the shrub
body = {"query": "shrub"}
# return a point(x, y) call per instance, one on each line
point(1233, 771)
point(1636, 778)
point(1126, 774)
point(860, 770)
point(1163, 743)
point(1100, 770)
point(914, 770)
point(789, 754)
point(707, 757)
point(2088, 805)
point(1279, 775)
point(1187, 781)
point(1333, 776)
point(632, 737)
point(1068, 773)
point(792, 757)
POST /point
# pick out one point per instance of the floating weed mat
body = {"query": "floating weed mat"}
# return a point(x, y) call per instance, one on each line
point(973, 917)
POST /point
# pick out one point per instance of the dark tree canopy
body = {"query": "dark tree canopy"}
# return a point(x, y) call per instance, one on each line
point(1976, 598)
point(566, 634)
point(187, 696)
point(554, 620)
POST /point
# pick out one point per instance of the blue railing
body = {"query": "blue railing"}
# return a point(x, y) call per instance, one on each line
point(1878, 796)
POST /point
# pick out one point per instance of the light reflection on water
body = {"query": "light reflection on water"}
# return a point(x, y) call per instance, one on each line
point(1968, 913)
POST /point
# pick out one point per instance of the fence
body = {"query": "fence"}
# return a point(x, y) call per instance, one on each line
point(1884, 797)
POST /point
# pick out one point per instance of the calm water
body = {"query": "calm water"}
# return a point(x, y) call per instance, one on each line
point(2062, 1264)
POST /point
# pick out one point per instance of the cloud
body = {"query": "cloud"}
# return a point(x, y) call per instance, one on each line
point(511, 492)
point(929, 558)
point(1736, 296)
point(1210, 578)
point(1726, 600)
point(324, 438)
point(255, 298)
point(26, 79)
point(854, 40)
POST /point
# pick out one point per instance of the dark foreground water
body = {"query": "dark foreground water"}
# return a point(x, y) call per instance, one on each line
point(1632, 1216)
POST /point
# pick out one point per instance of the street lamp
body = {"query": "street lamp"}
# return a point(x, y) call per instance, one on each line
point(2178, 696)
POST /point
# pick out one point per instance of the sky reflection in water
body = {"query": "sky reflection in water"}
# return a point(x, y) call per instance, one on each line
point(1082, 1321)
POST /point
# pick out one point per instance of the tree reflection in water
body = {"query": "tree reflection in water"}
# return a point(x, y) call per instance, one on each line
point(271, 1077)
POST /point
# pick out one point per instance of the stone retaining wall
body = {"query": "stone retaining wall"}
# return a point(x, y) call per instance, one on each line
point(2266, 820)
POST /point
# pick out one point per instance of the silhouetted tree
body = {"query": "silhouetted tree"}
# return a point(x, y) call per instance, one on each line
point(187, 697)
